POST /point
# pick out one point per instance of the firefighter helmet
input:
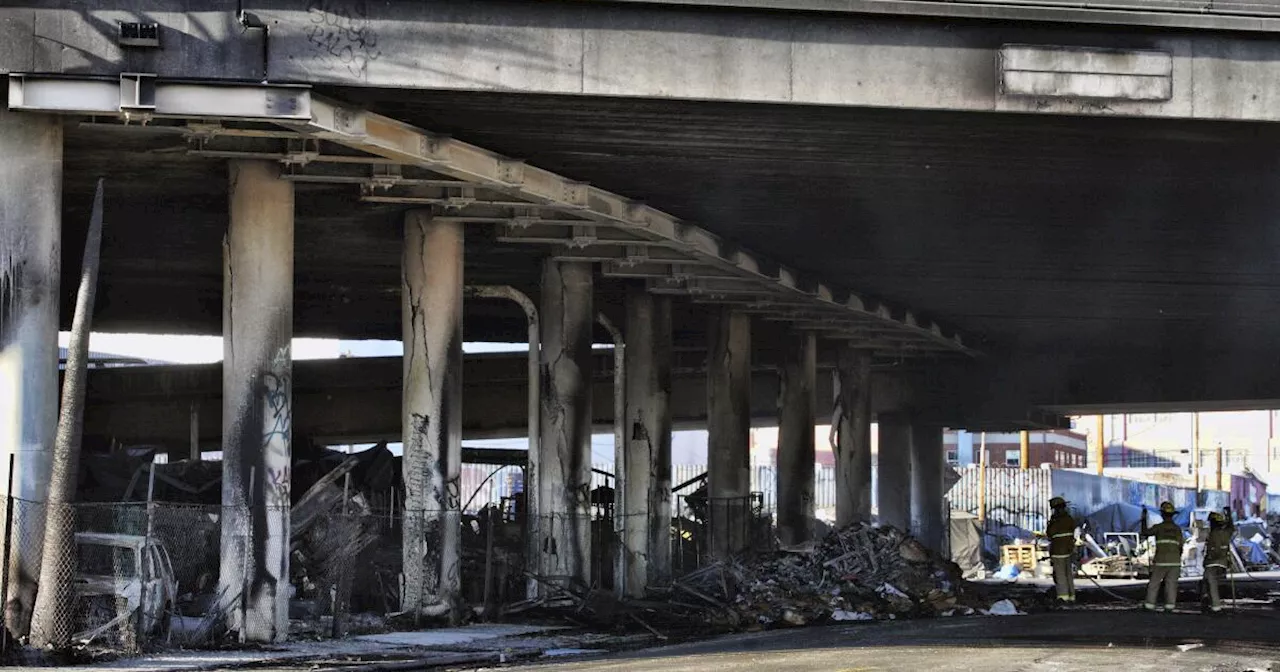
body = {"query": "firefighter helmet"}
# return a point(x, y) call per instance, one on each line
point(1167, 507)
point(1057, 502)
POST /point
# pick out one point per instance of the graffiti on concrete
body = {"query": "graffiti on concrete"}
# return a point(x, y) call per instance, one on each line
point(341, 33)
point(277, 430)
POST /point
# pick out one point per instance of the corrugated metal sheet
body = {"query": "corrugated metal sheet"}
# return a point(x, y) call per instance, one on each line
point(1017, 501)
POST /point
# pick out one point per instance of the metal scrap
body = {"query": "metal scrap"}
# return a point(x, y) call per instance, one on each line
point(880, 572)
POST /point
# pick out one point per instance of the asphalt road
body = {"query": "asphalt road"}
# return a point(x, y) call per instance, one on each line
point(1091, 639)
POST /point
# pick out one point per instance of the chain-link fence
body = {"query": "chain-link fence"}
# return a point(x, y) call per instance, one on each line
point(155, 575)
point(165, 575)
point(133, 568)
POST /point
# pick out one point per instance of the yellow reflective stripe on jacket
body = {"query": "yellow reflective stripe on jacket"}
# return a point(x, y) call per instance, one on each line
point(1168, 564)
point(1063, 534)
point(1168, 541)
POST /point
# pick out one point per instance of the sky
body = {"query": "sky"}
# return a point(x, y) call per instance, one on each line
point(208, 349)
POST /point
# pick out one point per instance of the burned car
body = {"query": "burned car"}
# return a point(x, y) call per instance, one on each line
point(123, 582)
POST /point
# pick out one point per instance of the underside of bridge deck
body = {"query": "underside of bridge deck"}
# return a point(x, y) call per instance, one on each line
point(1094, 260)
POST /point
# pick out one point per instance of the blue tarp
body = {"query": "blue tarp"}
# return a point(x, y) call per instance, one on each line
point(1254, 554)
point(1121, 517)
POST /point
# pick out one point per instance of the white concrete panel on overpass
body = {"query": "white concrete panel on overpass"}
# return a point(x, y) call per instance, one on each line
point(198, 39)
point(1234, 79)
point(894, 65)
point(744, 57)
point(1032, 70)
point(428, 45)
point(1184, 88)
point(739, 55)
point(728, 54)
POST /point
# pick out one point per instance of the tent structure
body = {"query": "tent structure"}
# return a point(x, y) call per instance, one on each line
point(1122, 517)
point(966, 542)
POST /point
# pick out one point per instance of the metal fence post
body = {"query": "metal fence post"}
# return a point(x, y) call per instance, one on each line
point(8, 537)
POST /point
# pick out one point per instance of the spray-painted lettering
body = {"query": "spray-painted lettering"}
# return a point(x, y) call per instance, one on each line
point(277, 434)
point(341, 34)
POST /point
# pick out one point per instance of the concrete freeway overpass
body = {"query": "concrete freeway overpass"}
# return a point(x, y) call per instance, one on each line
point(1004, 207)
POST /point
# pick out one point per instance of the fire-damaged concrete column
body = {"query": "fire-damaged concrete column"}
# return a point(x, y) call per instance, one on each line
point(30, 256)
point(893, 470)
point(562, 483)
point(431, 418)
point(645, 476)
point(728, 430)
point(795, 438)
point(853, 436)
point(257, 401)
point(928, 516)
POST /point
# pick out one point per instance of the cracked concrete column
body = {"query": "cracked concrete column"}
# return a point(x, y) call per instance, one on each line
point(431, 421)
point(853, 440)
point(645, 473)
point(894, 470)
point(796, 438)
point(30, 263)
point(257, 401)
point(563, 482)
point(729, 431)
point(928, 515)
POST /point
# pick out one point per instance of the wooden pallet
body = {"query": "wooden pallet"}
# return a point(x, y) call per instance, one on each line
point(1021, 555)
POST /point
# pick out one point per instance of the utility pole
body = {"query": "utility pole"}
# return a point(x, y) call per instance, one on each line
point(1195, 451)
point(1100, 447)
point(982, 481)
point(1024, 458)
point(1218, 480)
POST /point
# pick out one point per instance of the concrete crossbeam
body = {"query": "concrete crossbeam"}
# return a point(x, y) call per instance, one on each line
point(355, 400)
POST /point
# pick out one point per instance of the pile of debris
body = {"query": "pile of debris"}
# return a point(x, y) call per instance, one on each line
point(860, 572)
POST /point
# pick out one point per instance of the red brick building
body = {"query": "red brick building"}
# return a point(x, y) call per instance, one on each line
point(1061, 449)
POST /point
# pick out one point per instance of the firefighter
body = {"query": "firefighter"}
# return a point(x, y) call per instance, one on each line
point(1166, 566)
point(1217, 554)
point(1062, 549)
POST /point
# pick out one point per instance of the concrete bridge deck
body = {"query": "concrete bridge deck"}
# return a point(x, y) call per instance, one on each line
point(997, 208)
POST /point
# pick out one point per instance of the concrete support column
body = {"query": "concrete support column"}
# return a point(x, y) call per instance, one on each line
point(893, 470)
point(853, 437)
point(257, 401)
point(796, 438)
point(729, 431)
point(644, 476)
point(562, 483)
point(30, 263)
point(431, 417)
point(928, 514)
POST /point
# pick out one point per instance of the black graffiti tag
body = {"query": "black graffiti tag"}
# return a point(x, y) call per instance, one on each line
point(341, 33)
